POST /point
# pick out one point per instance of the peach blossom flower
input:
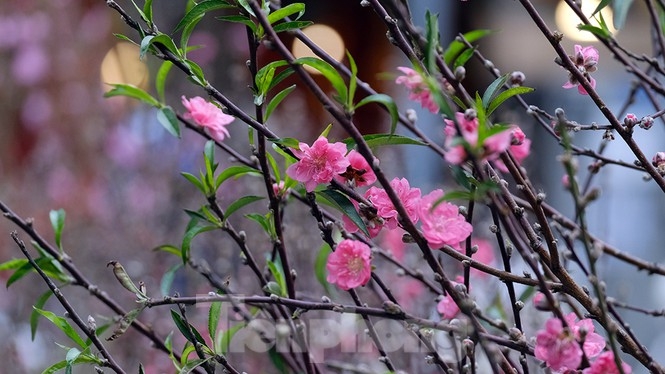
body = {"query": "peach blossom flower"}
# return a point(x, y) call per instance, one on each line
point(359, 173)
point(520, 148)
point(208, 116)
point(442, 224)
point(410, 198)
point(585, 60)
point(605, 364)
point(319, 163)
point(490, 149)
point(349, 265)
point(418, 90)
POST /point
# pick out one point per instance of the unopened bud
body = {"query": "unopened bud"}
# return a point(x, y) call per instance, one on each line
point(516, 78)
point(460, 73)
point(646, 122)
point(630, 120)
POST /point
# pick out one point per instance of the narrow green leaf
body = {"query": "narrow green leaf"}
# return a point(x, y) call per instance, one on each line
point(464, 57)
point(236, 172)
point(274, 288)
point(167, 279)
point(147, 11)
point(379, 140)
point(124, 38)
point(287, 11)
point(58, 222)
point(145, 45)
point(505, 95)
point(263, 221)
point(26, 268)
point(125, 322)
point(329, 73)
point(133, 92)
point(278, 361)
point(160, 79)
point(223, 342)
point(168, 248)
point(353, 81)
point(193, 364)
point(598, 31)
point(187, 33)
point(194, 180)
point(213, 320)
point(493, 90)
point(13, 264)
point(63, 325)
point(167, 117)
point(600, 6)
point(240, 19)
point(275, 101)
point(456, 47)
point(189, 236)
point(34, 316)
point(197, 73)
point(432, 37)
point(344, 205)
point(123, 277)
point(291, 25)
point(199, 10)
point(387, 102)
point(320, 266)
point(182, 325)
point(274, 167)
point(241, 202)
point(287, 142)
point(72, 354)
point(278, 275)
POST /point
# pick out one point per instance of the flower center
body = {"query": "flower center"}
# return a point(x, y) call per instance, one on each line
point(355, 265)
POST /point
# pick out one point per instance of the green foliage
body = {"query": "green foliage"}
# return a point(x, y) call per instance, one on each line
point(265, 221)
point(332, 75)
point(34, 316)
point(64, 326)
point(320, 266)
point(160, 79)
point(380, 140)
point(167, 279)
point(133, 92)
point(277, 272)
point(455, 49)
point(57, 218)
point(199, 10)
point(387, 102)
point(148, 42)
point(342, 203)
point(621, 8)
point(185, 328)
point(126, 321)
point(168, 119)
point(185, 248)
point(238, 204)
point(213, 320)
point(432, 36)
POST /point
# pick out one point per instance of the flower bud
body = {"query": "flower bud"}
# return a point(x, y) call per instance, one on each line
point(630, 120)
point(516, 78)
point(646, 122)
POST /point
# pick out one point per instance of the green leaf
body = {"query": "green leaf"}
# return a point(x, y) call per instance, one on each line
point(187, 32)
point(236, 172)
point(147, 11)
point(195, 181)
point(168, 248)
point(182, 325)
point(72, 354)
point(19, 273)
point(353, 82)
point(387, 102)
point(505, 95)
point(58, 222)
point(320, 266)
point(13, 264)
point(379, 140)
point(241, 202)
point(278, 361)
point(456, 47)
point(160, 79)
point(63, 325)
point(600, 6)
point(277, 272)
point(166, 116)
point(213, 319)
point(527, 293)
point(240, 19)
point(199, 10)
point(432, 37)
point(329, 73)
point(265, 221)
point(273, 166)
point(34, 316)
point(125, 38)
point(287, 142)
point(598, 31)
point(462, 177)
point(193, 364)
point(189, 236)
point(493, 90)
point(167, 279)
point(197, 73)
point(291, 25)
point(464, 57)
point(133, 92)
point(125, 322)
point(275, 101)
point(344, 205)
point(223, 342)
point(162, 39)
point(83, 358)
point(286, 11)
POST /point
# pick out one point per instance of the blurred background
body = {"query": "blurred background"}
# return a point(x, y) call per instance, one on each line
point(115, 171)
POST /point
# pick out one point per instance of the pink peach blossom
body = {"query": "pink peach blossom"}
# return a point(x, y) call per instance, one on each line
point(560, 348)
point(585, 60)
point(410, 198)
point(208, 116)
point(319, 163)
point(359, 173)
point(447, 307)
point(557, 347)
point(490, 149)
point(418, 89)
point(349, 265)
point(605, 364)
point(443, 224)
point(520, 148)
